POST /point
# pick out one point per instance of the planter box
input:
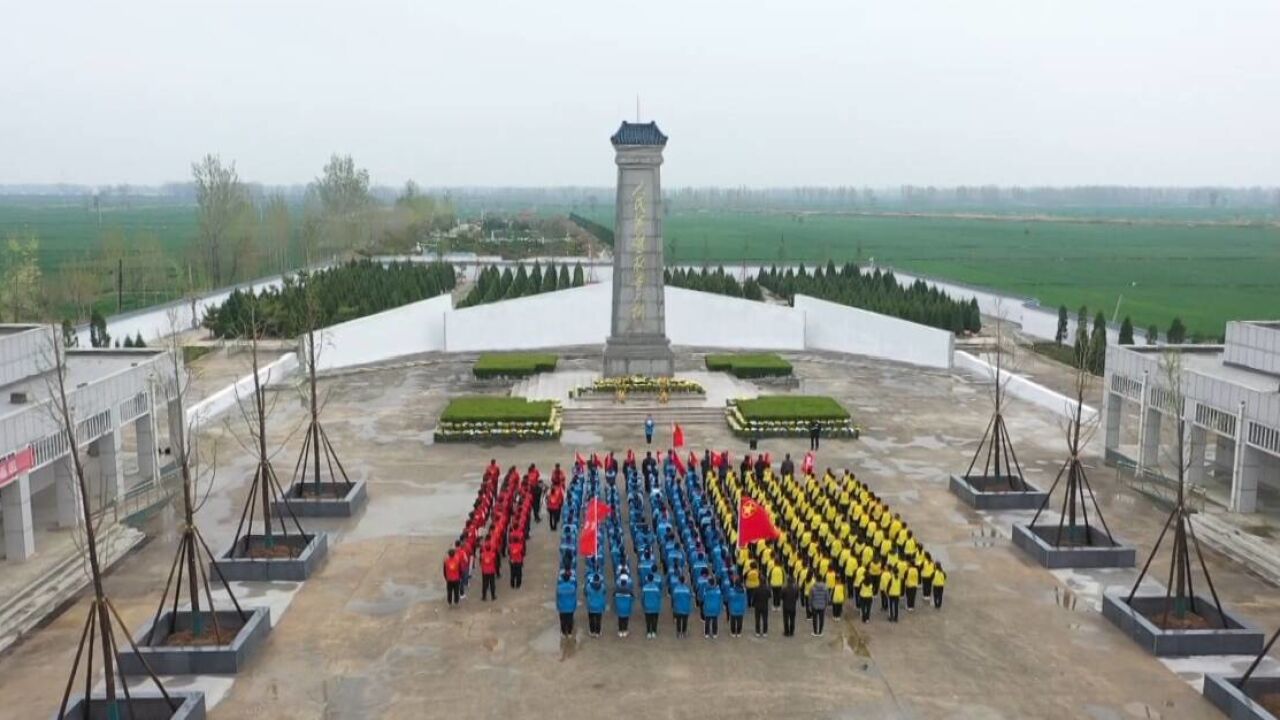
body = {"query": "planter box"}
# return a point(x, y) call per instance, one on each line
point(149, 705)
point(295, 569)
point(202, 660)
point(1238, 638)
point(1100, 553)
point(354, 497)
point(1226, 695)
point(977, 492)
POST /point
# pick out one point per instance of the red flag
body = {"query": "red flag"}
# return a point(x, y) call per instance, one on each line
point(754, 522)
point(768, 460)
point(807, 465)
point(675, 458)
point(677, 436)
point(693, 459)
point(588, 541)
point(578, 460)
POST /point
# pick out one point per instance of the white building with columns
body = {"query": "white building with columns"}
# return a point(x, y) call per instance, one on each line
point(114, 397)
point(1231, 404)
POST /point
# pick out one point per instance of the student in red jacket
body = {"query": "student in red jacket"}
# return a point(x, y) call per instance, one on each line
point(555, 501)
point(488, 572)
point(452, 577)
point(515, 555)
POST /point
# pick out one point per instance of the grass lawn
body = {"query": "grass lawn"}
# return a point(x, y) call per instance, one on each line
point(513, 364)
point(791, 407)
point(484, 408)
point(750, 365)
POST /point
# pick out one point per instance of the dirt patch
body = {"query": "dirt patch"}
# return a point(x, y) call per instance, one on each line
point(1189, 620)
point(186, 638)
point(280, 550)
point(1270, 701)
point(326, 492)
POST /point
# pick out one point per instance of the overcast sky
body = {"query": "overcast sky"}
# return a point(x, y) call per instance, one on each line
point(477, 92)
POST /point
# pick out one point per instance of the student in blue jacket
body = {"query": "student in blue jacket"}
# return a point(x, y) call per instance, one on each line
point(622, 601)
point(712, 606)
point(737, 607)
point(681, 605)
point(651, 599)
point(566, 601)
point(595, 603)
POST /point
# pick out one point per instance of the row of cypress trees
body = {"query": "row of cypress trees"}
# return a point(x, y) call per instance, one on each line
point(493, 285)
point(343, 292)
point(713, 281)
point(878, 292)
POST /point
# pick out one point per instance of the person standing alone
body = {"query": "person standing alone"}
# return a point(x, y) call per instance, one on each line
point(648, 430)
point(815, 434)
point(790, 598)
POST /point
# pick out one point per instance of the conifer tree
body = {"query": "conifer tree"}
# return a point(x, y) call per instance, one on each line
point(564, 282)
point(1061, 336)
point(1126, 331)
point(578, 278)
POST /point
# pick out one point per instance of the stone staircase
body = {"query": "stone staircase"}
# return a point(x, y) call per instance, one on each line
point(32, 604)
point(635, 415)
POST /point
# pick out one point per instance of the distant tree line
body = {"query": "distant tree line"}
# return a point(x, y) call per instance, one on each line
point(493, 285)
point(327, 297)
point(601, 233)
point(878, 292)
point(716, 281)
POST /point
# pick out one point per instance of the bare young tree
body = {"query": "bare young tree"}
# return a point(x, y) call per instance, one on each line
point(265, 488)
point(99, 635)
point(1000, 462)
point(307, 477)
point(193, 554)
point(1074, 526)
point(1179, 596)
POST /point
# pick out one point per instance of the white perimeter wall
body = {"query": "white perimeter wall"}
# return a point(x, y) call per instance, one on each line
point(829, 326)
point(578, 316)
point(709, 320)
point(1021, 387)
point(407, 330)
point(224, 399)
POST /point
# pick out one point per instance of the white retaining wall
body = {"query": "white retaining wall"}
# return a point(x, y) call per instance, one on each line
point(409, 329)
point(224, 399)
point(708, 320)
point(578, 316)
point(830, 326)
point(1021, 387)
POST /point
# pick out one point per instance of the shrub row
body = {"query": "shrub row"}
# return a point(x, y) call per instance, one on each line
point(750, 365)
point(492, 365)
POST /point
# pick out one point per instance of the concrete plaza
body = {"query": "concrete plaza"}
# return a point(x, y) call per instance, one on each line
point(370, 636)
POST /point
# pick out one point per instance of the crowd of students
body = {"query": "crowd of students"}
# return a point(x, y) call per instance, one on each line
point(836, 542)
point(498, 527)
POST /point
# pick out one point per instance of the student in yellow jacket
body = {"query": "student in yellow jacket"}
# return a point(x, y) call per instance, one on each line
point(866, 593)
point(776, 579)
point(926, 575)
point(939, 582)
point(895, 595)
point(913, 581)
point(837, 600)
point(886, 581)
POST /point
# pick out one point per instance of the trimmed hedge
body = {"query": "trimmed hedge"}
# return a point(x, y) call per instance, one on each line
point(788, 416)
point(484, 408)
point(491, 365)
point(792, 407)
point(750, 365)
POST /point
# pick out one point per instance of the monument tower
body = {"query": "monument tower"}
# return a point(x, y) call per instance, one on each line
point(638, 343)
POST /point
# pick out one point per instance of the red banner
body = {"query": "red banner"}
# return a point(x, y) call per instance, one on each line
point(16, 463)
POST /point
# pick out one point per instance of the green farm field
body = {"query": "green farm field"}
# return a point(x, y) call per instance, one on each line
point(68, 229)
point(1204, 273)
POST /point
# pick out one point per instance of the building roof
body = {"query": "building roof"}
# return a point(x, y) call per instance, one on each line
point(639, 134)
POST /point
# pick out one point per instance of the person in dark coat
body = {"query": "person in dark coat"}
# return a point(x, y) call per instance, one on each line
point(815, 434)
point(760, 603)
point(788, 468)
point(790, 599)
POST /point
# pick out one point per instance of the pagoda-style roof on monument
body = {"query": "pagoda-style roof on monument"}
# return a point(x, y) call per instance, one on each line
point(639, 134)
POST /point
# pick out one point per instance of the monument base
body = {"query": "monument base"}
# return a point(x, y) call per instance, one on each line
point(645, 355)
